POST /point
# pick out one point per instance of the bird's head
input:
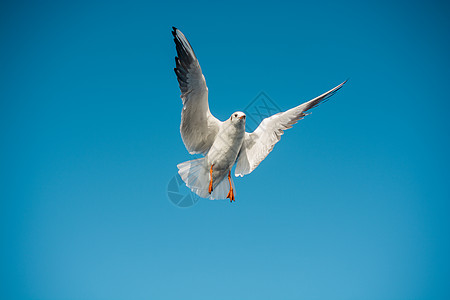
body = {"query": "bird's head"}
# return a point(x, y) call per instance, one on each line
point(238, 117)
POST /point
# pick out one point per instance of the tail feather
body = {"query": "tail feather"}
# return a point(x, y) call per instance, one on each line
point(222, 189)
point(195, 173)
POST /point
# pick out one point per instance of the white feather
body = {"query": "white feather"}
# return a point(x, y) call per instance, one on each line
point(198, 126)
point(195, 173)
point(258, 144)
point(222, 143)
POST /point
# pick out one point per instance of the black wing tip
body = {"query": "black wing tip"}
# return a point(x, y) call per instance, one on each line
point(327, 97)
point(184, 49)
point(337, 88)
point(174, 31)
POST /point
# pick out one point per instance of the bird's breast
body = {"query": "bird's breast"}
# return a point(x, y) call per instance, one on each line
point(226, 147)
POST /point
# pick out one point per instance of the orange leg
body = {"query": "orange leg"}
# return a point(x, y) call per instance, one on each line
point(210, 180)
point(230, 193)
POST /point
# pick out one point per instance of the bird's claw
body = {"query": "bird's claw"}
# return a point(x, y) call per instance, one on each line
point(230, 193)
point(210, 188)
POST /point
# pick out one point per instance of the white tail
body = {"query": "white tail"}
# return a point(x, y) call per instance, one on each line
point(195, 173)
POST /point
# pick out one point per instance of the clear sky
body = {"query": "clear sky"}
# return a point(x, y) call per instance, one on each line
point(353, 203)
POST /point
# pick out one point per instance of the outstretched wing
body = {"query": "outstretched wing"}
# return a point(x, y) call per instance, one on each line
point(198, 126)
point(258, 144)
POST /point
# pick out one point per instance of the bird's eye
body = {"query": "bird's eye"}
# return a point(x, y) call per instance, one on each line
point(235, 115)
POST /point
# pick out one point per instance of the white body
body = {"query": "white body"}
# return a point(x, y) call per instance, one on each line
point(223, 143)
point(225, 149)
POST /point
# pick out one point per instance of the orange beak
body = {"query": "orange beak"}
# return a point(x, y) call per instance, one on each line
point(243, 117)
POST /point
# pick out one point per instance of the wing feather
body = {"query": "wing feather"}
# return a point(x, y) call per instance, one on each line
point(258, 144)
point(198, 126)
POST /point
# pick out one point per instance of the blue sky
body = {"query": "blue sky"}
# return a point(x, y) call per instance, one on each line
point(353, 202)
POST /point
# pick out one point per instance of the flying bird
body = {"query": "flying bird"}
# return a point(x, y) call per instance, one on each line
point(226, 143)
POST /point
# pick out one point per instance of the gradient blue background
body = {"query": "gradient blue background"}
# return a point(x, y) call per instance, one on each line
point(352, 204)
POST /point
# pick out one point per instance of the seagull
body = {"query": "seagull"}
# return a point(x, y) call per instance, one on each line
point(223, 144)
